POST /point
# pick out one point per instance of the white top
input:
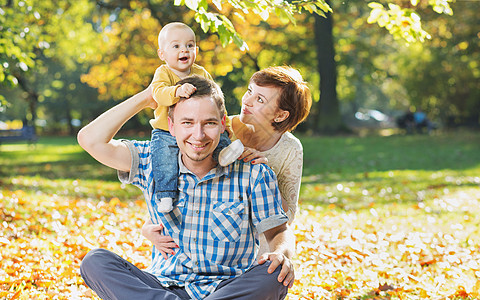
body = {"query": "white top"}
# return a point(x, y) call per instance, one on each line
point(286, 160)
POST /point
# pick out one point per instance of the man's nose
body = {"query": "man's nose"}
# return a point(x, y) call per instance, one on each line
point(198, 132)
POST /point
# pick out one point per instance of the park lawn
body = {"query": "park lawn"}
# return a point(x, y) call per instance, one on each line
point(380, 218)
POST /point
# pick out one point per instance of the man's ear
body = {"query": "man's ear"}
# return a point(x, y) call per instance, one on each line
point(170, 126)
point(224, 122)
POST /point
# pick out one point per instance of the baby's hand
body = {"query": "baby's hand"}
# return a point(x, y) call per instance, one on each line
point(185, 90)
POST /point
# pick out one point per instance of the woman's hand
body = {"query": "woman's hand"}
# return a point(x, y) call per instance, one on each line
point(253, 156)
point(163, 243)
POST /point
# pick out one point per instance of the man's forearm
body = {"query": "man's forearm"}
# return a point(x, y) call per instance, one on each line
point(281, 240)
point(97, 137)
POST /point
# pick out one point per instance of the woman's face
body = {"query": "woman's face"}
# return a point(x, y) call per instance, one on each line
point(260, 105)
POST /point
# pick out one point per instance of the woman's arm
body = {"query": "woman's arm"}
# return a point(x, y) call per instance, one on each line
point(289, 181)
point(163, 243)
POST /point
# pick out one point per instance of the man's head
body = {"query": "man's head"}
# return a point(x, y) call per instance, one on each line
point(177, 46)
point(197, 122)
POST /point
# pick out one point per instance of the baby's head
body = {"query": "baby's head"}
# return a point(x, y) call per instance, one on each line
point(177, 46)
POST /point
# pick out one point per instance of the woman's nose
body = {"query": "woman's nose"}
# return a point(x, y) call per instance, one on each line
point(247, 100)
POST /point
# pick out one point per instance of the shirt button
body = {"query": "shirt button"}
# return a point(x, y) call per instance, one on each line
point(195, 239)
point(197, 211)
point(196, 263)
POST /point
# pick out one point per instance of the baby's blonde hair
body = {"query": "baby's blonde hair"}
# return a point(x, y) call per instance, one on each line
point(174, 25)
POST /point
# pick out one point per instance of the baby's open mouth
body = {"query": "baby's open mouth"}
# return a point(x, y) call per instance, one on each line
point(183, 58)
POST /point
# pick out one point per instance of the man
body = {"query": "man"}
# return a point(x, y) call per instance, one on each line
point(215, 222)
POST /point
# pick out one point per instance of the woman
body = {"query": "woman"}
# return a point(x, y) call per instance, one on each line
point(276, 101)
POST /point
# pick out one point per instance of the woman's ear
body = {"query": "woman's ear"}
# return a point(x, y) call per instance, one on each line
point(281, 116)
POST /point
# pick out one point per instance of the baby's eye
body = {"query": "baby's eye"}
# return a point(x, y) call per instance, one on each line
point(175, 46)
point(191, 46)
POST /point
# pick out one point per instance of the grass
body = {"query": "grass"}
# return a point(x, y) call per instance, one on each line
point(353, 171)
point(380, 218)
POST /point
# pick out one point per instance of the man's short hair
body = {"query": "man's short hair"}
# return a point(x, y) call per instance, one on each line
point(204, 87)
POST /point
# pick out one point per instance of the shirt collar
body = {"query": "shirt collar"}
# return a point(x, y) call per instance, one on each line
point(217, 171)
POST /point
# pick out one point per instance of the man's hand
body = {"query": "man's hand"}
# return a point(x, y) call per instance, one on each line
point(287, 274)
point(185, 90)
point(281, 241)
point(149, 95)
point(163, 243)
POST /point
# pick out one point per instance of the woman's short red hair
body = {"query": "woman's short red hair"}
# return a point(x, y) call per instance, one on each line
point(294, 95)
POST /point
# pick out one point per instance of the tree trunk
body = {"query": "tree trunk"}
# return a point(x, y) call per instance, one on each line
point(327, 113)
point(32, 98)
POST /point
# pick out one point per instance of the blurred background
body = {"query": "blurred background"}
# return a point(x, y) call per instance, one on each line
point(64, 62)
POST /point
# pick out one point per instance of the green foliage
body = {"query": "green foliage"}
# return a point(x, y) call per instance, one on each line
point(111, 47)
point(405, 23)
point(17, 40)
point(33, 29)
point(401, 23)
point(221, 24)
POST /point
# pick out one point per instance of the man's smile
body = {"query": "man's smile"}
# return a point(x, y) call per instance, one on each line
point(197, 146)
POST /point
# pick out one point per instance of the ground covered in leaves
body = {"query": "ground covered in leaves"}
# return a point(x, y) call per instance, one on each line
point(384, 218)
point(429, 249)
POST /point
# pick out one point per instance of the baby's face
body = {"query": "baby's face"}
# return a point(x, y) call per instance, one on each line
point(178, 49)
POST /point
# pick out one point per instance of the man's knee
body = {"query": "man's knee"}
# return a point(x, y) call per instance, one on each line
point(94, 262)
point(271, 287)
point(273, 278)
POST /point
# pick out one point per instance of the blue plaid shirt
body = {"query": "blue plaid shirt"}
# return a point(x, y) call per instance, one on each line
point(215, 221)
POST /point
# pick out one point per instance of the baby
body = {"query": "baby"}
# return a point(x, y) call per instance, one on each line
point(178, 49)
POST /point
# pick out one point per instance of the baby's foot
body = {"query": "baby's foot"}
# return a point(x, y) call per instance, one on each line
point(165, 204)
point(229, 154)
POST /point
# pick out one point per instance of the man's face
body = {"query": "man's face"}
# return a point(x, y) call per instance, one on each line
point(197, 126)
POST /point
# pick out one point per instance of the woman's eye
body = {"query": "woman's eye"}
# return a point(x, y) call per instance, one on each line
point(260, 100)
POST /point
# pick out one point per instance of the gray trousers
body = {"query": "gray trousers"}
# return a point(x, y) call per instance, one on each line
point(113, 277)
